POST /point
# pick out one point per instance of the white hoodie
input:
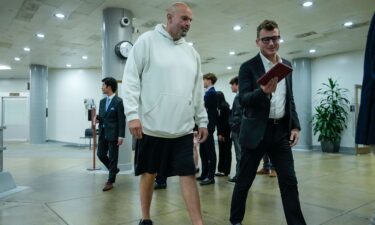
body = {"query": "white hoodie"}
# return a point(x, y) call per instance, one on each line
point(163, 85)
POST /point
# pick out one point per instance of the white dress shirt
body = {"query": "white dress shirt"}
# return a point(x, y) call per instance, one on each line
point(278, 100)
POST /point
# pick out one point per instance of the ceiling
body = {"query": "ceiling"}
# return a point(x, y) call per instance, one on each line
point(67, 40)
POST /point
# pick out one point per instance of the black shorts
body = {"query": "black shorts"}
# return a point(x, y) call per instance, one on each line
point(164, 156)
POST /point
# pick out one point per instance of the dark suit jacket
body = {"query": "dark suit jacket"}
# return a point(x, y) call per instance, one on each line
point(223, 127)
point(256, 103)
point(210, 102)
point(366, 118)
point(236, 115)
point(113, 119)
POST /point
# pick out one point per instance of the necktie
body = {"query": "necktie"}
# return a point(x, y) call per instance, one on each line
point(107, 103)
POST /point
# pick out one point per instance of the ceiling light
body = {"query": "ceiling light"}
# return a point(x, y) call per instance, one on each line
point(60, 15)
point(40, 35)
point(237, 28)
point(307, 4)
point(281, 40)
point(17, 58)
point(232, 53)
point(229, 67)
point(190, 43)
point(348, 24)
point(26, 49)
point(4, 67)
point(84, 57)
point(312, 50)
point(68, 65)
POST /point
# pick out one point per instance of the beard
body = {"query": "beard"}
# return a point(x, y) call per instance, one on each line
point(183, 33)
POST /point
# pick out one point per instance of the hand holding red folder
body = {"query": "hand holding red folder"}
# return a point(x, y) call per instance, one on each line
point(280, 70)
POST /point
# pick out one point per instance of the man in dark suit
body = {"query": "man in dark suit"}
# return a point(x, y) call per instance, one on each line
point(111, 129)
point(270, 125)
point(207, 148)
point(235, 123)
point(365, 133)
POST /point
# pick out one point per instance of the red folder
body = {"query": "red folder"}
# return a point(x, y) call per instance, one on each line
point(280, 70)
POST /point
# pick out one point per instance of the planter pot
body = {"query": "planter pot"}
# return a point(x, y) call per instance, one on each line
point(329, 146)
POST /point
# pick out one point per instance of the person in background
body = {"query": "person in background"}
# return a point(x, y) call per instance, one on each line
point(235, 123)
point(365, 133)
point(207, 148)
point(111, 120)
point(223, 133)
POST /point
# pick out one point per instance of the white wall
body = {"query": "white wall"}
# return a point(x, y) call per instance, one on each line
point(13, 85)
point(347, 68)
point(67, 88)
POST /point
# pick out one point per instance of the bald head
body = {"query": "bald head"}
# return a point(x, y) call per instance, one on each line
point(179, 17)
point(176, 7)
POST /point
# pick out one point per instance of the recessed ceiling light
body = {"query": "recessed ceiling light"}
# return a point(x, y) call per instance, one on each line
point(26, 49)
point(237, 28)
point(17, 58)
point(281, 40)
point(40, 35)
point(307, 4)
point(4, 67)
point(229, 67)
point(60, 15)
point(84, 57)
point(312, 50)
point(190, 43)
point(232, 53)
point(348, 24)
point(68, 65)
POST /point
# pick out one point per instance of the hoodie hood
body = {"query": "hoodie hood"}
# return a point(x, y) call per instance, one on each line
point(161, 29)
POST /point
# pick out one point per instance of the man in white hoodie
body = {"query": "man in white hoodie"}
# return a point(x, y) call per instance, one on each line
point(163, 93)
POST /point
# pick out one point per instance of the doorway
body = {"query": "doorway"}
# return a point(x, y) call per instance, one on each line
point(15, 116)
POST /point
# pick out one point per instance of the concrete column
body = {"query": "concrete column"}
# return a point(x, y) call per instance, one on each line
point(113, 66)
point(38, 102)
point(113, 33)
point(302, 97)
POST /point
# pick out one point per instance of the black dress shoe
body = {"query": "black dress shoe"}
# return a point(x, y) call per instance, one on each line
point(200, 178)
point(207, 181)
point(233, 180)
point(145, 222)
point(158, 186)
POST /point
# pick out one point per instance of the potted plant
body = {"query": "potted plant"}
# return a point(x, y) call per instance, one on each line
point(331, 115)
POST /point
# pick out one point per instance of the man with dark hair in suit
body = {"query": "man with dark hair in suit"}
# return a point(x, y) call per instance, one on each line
point(235, 123)
point(111, 129)
point(207, 148)
point(270, 125)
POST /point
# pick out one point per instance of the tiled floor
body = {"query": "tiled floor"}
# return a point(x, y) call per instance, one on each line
point(334, 190)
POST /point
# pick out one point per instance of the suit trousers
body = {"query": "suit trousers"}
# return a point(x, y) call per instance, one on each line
point(108, 155)
point(208, 157)
point(225, 156)
point(237, 149)
point(276, 144)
